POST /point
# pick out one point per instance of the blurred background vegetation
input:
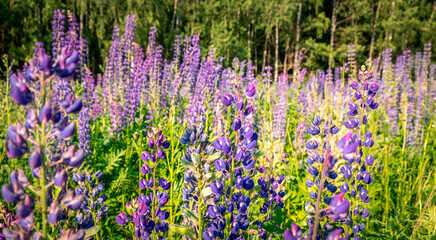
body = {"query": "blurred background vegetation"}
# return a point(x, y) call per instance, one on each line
point(268, 32)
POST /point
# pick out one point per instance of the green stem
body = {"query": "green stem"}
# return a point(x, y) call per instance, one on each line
point(7, 97)
point(324, 167)
point(42, 179)
point(403, 162)
point(139, 154)
point(172, 171)
point(200, 210)
point(154, 207)
point(386, 215)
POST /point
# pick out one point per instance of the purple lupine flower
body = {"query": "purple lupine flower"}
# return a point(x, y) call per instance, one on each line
point(43, 114)
point(339, 206)
point(279, 122)
point(141, 207)
point(121, 219)
point(224, 163)
point(58, 33)
point(351, 145)
point(19, 91)
point(84, 131)
point(348, 146)
point(295, 233)
point(92, 206)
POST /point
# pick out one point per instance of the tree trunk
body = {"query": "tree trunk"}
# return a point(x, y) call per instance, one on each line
point(195, 17)
point(211, 34)
point(239, 14)
point(374, 25)
point(432, 14)
point(355, 32)
point(268, 58)
point(81, 42)
point(265, 47)
point(285, 63)
point(390, 20)
point(174, 14)
point(249, 40)
point(276, 64)
point(297, 42)
point(254, 42)
point(39, 20)
point(178, 22)
point(406, 40)
point(332, 35)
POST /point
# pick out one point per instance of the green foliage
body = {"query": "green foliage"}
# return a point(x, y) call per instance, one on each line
point(404, 176)
point(182, 230)
point(242, 29)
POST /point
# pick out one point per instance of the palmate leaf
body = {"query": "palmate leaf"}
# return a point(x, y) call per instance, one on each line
point(206, 192)
point(182, 230)
point(213, 176)
point(212, 140)
point(278, 216)
point(286, 197)
point(190, 215)
point(272, 228)
point(188, 165)
point(195, 159)
point(91, 231)
point(213, 157)
point(260, 153)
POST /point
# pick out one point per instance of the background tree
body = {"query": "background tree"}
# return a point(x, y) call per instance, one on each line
point(269, 33)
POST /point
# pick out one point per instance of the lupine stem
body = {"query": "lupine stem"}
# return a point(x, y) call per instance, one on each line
point(321, 183)
point(139, 152)
point(153, 212)
point(5, 62)
point(7, 92)
point(232, 174)
point(43, 169)
point(386, 215)
point(403, 148)
point(200, 210)
point(172, 169)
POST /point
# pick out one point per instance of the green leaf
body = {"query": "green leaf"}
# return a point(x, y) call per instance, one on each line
point(182, 230)
point(212, 140)
point(113, 160)
point(277, 142)
point(260, 153)
point(213, 176)
point(190, 215)
point(278, 216)
point(188, 165)
point(286, 197)
point(213, 157)
point(106, 141)
point(206, 192)
point(257, 188)
point(271, 228)
point(91, 231)
point(195, 159)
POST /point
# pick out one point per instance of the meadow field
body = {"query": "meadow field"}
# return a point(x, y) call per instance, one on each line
point(175, 141)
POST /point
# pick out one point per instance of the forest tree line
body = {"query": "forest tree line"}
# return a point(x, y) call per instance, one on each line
point(270, 33)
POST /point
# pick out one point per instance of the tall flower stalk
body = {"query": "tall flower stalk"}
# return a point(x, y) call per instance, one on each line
point(42, 129)
point(357, 171)
point(147, 212)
